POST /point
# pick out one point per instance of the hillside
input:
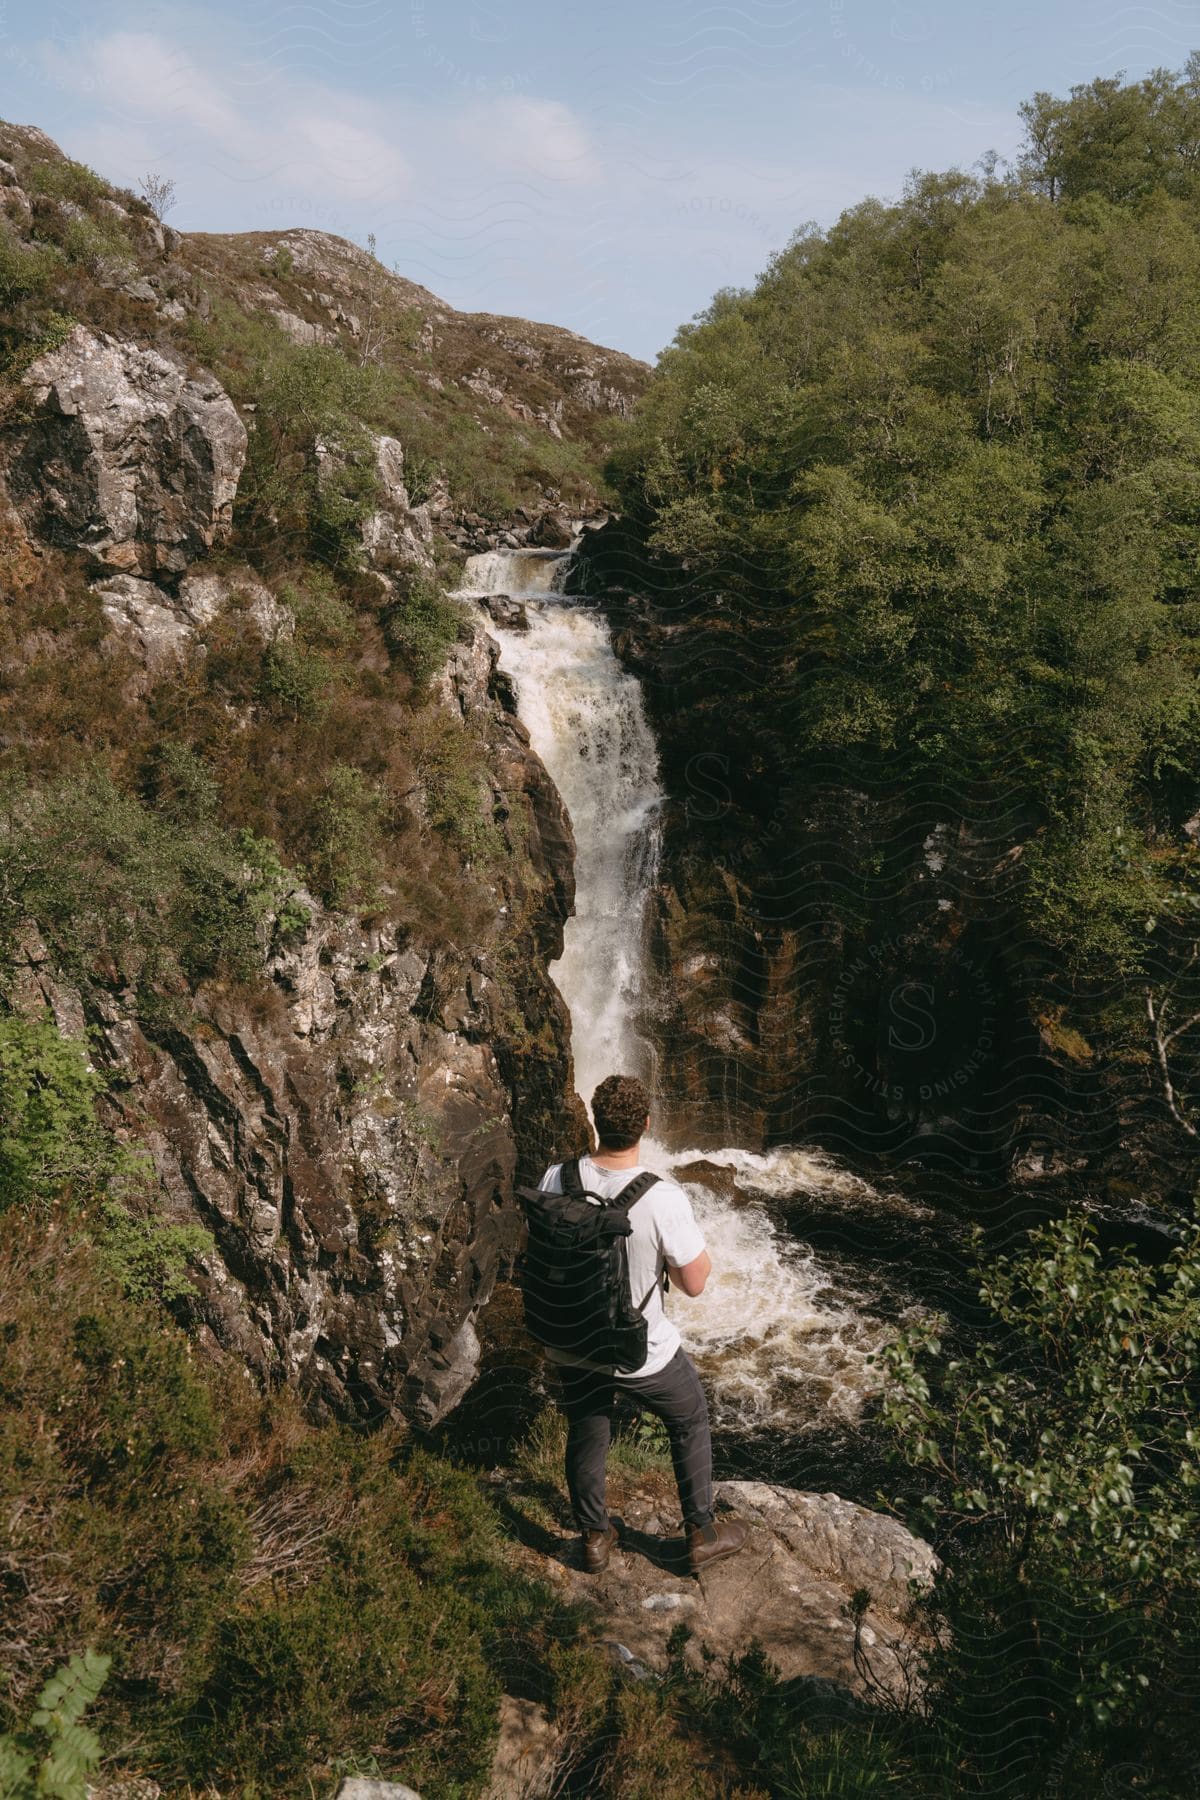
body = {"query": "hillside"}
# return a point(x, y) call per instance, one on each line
point(270, 832)
point(511, 416)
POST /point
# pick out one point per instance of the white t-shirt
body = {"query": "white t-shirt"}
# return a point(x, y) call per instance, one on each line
point(664, 1232)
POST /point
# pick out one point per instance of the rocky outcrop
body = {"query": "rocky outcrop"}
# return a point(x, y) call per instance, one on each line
point(791, 1590)
point(127, 457)
point(349, 1129)
point(351, 1137)
point(396, 533)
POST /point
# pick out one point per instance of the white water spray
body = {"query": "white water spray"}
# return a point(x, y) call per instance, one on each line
point(586, 721)
point(781, 1339)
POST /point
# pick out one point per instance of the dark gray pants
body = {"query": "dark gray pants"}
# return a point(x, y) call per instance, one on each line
point(676, 1396)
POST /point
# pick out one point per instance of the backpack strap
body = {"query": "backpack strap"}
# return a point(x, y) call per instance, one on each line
point(628, 1197)
point(572, 1183)
point(633, 1190)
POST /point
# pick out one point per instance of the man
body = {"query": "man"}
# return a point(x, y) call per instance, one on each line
point(664, 1236)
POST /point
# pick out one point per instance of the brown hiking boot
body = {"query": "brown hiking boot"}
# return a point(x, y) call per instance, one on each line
point(597, 1547)
point(709, 1543)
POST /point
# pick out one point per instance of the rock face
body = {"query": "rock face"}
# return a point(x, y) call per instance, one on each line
point(789, 1590)
point(128, 458)
point(349, 1132)
point(350, 1141)
point(397, 533)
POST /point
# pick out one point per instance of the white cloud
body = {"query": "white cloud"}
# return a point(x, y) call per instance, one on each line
point(543, 136)
point(151, 99)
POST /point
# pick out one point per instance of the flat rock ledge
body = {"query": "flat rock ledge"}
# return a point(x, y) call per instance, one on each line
point(789, 1590)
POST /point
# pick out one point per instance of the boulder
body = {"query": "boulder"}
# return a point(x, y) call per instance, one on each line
point(127, 457)
point(789, 1590)
point(366, 1787)
point(718, 1178)
point(204, 593)
point(551, 531)
point(397, 533)
point(506, 611)
point(145, 617)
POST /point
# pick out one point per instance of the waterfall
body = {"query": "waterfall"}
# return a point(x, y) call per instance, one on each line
point(587, 722)
point(783, 1336)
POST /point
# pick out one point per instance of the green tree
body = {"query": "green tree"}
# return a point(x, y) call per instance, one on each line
point(1066, 1467)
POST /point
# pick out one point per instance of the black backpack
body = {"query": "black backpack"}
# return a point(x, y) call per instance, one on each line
point(575, 1271)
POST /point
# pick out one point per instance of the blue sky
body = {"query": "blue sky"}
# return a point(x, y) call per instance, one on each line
point(606, 167)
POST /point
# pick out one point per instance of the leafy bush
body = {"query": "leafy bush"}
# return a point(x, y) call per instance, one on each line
point(310, 475)
point(50, 1137)
point(162, 897)
point(421, 626)
point(1066, 1464)
point(25, 269)
point(347, 856)
point(148, 1258)
point(99, 246)
point(295, 680)
point(67, 180)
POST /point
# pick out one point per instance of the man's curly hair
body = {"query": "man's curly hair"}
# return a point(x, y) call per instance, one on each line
point(619, 1107)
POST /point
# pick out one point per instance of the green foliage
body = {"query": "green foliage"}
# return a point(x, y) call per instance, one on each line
point(310, 473)
point(1120, 141)
point(295, 680)
point(62, 179)
point(57, 1753)
point(148, 1258)
point(324, 618)
point(348, 826)
point(271, 888)
point(421, 626)
point(276, 1597)
point(99, 246)
point(25, 269)
point(160, 892)
point(1066, 1466)
point(937, 473)
point(50, 1137)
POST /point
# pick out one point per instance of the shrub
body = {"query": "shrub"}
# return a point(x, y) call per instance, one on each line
point(159, 897)
point(310, 475)
point(50, 1137)
point(25, 269)
point(100, 247)
point(347, 857)
point(295, 680)
point(420, 627)
point(148, 1258)
point(66, 180)
point(1066, 1466)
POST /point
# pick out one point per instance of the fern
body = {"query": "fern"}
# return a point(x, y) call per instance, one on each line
point(68, 1751)
point(16, 1770)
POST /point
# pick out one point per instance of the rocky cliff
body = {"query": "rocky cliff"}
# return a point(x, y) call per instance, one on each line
point(344, 1111)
